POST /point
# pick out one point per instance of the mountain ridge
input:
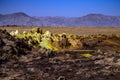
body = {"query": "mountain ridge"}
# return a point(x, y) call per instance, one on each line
point(94, 20)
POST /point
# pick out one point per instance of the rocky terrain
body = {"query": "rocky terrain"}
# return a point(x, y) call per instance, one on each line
point(97, 59)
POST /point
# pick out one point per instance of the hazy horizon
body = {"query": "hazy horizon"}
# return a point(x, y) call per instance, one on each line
point(56, 16)
point(64, 8)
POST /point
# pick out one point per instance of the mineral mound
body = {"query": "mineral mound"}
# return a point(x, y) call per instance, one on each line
point(93, 57)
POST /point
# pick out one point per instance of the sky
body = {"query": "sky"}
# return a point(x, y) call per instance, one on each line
point(67, 8)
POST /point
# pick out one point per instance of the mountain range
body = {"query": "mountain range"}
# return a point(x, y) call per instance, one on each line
point(90, 20)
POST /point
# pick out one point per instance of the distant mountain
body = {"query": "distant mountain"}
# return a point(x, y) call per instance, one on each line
point(90, 20)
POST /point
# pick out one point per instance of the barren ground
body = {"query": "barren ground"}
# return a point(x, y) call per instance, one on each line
point(71, 30)
point(43, 64)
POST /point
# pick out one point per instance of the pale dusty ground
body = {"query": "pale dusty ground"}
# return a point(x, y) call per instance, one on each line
point(71, 30)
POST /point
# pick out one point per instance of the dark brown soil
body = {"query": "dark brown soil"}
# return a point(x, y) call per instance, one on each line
point(18, 61)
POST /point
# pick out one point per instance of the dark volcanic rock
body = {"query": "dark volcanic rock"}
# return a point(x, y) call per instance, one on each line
point(18, 62)
point(11, 47)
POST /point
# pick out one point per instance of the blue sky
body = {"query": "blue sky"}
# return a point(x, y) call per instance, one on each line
point(67, 8)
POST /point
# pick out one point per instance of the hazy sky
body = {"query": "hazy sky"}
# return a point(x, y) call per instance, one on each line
point(68, 8)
